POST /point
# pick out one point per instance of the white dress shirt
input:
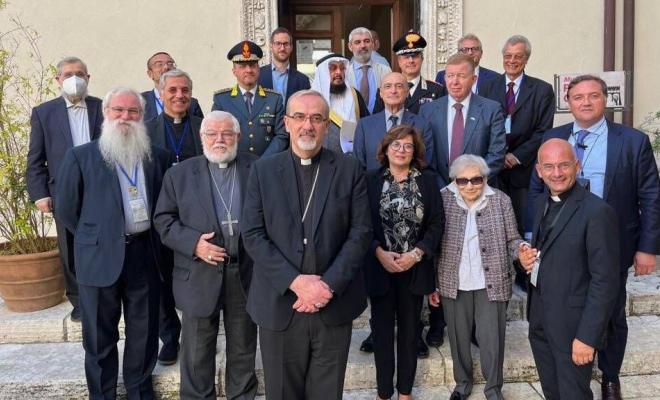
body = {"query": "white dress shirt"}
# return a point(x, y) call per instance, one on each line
point(78, 121)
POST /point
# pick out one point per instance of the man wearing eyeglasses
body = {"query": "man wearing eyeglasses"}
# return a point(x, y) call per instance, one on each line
point(158, 64)
point(70, 120)
point(617, 165)
point(470, 45)
point(279, 75)
point(198, 216)
point(106, 197)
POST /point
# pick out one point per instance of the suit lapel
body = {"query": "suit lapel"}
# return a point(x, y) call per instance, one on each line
point(195, 126)
point(525, 91)
point(443, 140)
point(326, 173)
point(161, 134)
point(571, 206)
point(288, 178)
point(239, 104)
point(267, 80)
point(63, 118)
point(258, 104)
point(474, 112)
point(201, 175)
point(538, 214)
point(614, 146)
point(91, 114)
point(499, 87)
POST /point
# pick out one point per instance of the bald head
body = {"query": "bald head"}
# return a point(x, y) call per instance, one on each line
point(556, 145)
point(557, 165)
point(394, 90)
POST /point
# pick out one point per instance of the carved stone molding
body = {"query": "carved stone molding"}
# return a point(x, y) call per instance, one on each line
point(441, 26)
point(258, 20)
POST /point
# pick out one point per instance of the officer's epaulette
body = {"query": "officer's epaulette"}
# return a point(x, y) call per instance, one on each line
point(270, 90)
point(434, 83)
point(222, 91)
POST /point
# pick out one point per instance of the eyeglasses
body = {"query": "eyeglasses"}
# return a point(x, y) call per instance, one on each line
point(226, 135)
point(563, 167)
point(476, 181)
point(397, 86)
point(133, 112)
point(281, 44)
point(466, 50)
point(407, 147)
point(315, 119)
point(79, 74)
point(160, 64)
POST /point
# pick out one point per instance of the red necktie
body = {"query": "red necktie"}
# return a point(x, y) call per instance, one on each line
point(457, 134)
point(510, 99)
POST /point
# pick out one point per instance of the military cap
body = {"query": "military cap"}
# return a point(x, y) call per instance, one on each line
point(328, 56)
point(245, 51)
point(411, 42)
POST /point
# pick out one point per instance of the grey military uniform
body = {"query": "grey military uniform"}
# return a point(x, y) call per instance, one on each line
point(262, 131)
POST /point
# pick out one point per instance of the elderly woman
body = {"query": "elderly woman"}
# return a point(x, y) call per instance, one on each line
point(408, 220)
point(474, 272)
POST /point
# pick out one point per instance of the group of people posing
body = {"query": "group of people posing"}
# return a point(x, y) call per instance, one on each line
point(292, 203)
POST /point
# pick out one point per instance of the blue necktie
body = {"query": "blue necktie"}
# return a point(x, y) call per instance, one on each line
point(393, 121)
point(579, 144)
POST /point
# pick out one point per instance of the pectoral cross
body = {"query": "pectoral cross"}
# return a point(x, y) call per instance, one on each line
point(230, 223)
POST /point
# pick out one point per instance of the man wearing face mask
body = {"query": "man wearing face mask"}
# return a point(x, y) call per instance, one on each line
point(70, 120)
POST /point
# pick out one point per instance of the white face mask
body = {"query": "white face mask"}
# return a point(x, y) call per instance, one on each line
point(74, 86)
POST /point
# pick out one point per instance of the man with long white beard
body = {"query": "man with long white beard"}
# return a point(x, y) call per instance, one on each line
point(198, 217)
point(70, 120)
point(106, 195)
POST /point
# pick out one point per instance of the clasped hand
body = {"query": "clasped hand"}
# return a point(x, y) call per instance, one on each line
point(395, 262)
point(313, 294)
point(527, 256)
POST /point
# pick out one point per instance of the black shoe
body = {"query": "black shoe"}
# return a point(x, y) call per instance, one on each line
point(367, 345)
point(610, 391)
point(168, 354)
point(457, 396)
point(422, 348)
point(75, 314)
point(435, 339)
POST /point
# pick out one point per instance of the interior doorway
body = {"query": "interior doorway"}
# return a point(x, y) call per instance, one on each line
point(320, 27)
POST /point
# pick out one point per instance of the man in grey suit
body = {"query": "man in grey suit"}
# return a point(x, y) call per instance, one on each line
point(197, 216)
point(465, 123)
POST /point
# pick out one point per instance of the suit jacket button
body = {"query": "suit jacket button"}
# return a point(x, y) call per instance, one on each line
point(483, 249)
point(490, 286)
point(251, 148)
point(486, 268)
point(478, 214)
point(251, 135)
point(250, 123)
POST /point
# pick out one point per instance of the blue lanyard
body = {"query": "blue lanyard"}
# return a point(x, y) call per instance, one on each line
point(159, 105)
point(170, 135)
point(133, 181)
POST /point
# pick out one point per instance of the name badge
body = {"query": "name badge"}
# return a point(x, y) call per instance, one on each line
point(535, 271)
point(507, 124)
point(139, 210)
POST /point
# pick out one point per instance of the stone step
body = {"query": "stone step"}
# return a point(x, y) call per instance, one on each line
point(55, 325)
point(55, 370)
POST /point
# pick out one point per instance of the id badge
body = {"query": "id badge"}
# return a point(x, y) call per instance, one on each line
point(535, 272)
point(139, 210)
point(133, 192)
point(507, 124)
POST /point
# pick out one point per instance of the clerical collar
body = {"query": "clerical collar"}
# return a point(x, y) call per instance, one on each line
point(562, 196)
point(306, 161)
point(174, 120)
point(221, 165)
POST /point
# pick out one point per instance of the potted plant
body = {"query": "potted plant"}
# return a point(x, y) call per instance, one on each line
point(30, 272)
point(651, 126)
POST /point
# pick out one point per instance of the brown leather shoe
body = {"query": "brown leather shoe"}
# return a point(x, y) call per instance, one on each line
point(611, 391)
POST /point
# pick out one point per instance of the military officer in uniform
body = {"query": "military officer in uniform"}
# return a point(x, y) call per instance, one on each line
point(260, 111)
point(409, 50)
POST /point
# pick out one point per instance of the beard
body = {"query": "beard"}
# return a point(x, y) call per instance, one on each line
point(362, 56)
point(338, 88)
point(223, 158)
point(124, 143)
point(305, 144)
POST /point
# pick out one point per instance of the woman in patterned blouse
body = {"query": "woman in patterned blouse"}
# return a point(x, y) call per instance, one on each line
point(408, 219)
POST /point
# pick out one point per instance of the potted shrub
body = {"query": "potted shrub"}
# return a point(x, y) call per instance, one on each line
point(30, 273)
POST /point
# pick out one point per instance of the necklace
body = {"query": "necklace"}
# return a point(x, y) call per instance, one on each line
point(229, 222)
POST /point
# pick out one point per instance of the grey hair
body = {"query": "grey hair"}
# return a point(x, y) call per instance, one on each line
point(308, 92)
point(468, 160)
point(123, 90)
point(220, 116)
point(469, 36)
point(175, 73)
point(514, 40)
point(359, 31)
point(70, 60)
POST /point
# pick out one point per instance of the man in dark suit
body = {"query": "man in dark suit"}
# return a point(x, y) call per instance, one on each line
point(176, 130)
point(197, 216)
point(574, 269)
point(260, 111)
point(470, 45)
point(279, 75)
point(106, 196)
point(371, 130)
point(157, 65)
point(409, 50)
point(70, 120)
point(617, 164)
point(477, 129)
point(306, 224)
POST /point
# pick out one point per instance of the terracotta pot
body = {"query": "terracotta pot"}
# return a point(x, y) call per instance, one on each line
point(31, 282)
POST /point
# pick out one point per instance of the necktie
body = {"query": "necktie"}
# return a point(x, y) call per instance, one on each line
point(410, 86)
point(579, 144)
point(456, 134)
point(510, 99)
point(248, 102)
point(393, 121)
point(364, 83)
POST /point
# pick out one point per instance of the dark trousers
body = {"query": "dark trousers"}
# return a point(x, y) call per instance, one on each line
point(169, 325)
point(405, 307)
point(136, 291)
point(199, 339)
point(560, 378)
point(307, 360)
point(65, 245)
point(610, 358)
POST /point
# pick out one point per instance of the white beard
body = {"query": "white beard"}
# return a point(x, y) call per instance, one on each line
point(224, 158)
point(306, 145)
point(124, 143)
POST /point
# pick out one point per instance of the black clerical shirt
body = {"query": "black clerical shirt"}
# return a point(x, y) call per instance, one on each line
point(177, 130)
point(552, 211)
point(305, 175)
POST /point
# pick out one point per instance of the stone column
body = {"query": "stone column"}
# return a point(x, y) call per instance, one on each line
point(258, 20)
point(441, 26)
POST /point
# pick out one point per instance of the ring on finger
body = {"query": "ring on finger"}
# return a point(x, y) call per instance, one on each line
point(210, 257)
